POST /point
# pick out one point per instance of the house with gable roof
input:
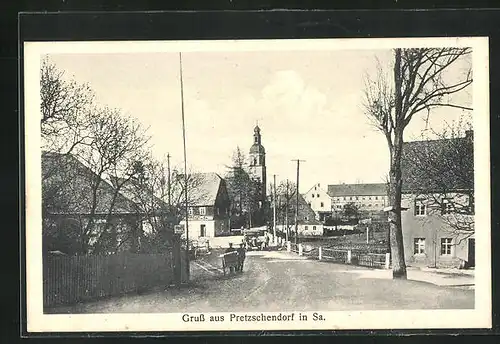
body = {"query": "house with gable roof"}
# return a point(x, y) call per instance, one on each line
point(307, 223)
point(82, 212)
point(438, 195)
point(319, 201)
point(208, 206)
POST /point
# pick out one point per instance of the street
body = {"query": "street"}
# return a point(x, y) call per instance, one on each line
point(281, 281)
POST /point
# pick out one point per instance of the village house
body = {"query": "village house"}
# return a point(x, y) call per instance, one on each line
point(367, 197)
point(307, 224)
point(320, 202)
point(208, 208)
point(82, 212)
point(438, 223)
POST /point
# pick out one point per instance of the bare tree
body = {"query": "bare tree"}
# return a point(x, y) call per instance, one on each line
point(243, 190)
point(118, 142)
point(351, 211)
point(421, 80)
point(285, 210)
point(439, 170)
point(64, 109)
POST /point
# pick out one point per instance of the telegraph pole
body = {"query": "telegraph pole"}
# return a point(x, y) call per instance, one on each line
point(168, 181)
point(297, 202)
point(185, 165)
point(286, 211)
point(274, 209)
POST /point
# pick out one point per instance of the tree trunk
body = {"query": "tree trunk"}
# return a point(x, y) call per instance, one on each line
point(395, 179)
point(395, 227)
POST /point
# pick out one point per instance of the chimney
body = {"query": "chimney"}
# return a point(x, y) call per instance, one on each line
point(469, 134)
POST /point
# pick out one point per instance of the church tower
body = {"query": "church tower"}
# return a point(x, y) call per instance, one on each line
point(257, 157)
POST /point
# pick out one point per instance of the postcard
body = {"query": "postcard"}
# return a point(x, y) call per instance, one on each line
point(228, 185)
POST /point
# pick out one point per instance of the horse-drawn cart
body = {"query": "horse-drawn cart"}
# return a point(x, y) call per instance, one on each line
point(230, 261)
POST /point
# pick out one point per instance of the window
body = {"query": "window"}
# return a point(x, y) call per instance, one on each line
point(203, 211)
point(446, 246)
point(317, 195)
point(306, 227)
point(322, 205)
point(203, 230)
point(309, 203)
point(370, 205)
point(350, 198)
point(356, 198)
point(190, 211)
point(419, 246)
point(314, 228)
point(312, 195)
point(420, 208)
point(447, 207)
point(363, 198)
point(305, 218)
point(376, 197)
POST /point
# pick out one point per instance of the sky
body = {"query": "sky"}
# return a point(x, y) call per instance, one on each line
point(308, 105)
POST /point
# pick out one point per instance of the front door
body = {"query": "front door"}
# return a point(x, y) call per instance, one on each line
point(203, 229)
point(471, 260)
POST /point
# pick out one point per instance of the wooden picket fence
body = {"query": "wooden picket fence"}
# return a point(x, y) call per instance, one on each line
point(343, 256)
point(71, 279)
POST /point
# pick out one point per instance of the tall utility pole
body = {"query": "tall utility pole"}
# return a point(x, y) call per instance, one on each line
point(286, 211)
point(274, 209)
point(168, 183)
point(185, 165)
point(297, 202)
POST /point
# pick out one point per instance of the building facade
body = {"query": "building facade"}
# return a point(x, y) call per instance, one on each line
point(429, 237)
point(208, 209)
point(438, 223)
point(320, 202)
point(371, 197)
point(307, 224)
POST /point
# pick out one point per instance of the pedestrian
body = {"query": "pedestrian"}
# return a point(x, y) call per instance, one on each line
point(231, 249)
point(241, 257)
point(267, 240)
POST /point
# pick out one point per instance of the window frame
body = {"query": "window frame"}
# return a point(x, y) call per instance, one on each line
point(447, 244)
point(419, 246)
point(418, 206)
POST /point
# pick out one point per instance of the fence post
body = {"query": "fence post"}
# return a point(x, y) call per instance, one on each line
point(348, 256)
point(300, 249)
point(387, 260)
point(288, 246)
point(320, 253)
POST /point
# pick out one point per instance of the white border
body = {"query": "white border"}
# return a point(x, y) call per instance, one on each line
point(480, 317)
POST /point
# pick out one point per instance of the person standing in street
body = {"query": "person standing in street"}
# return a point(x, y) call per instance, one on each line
point(241, 257)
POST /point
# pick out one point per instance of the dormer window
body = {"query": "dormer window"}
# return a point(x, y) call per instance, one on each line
point(447, 207)
point(420, 208)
